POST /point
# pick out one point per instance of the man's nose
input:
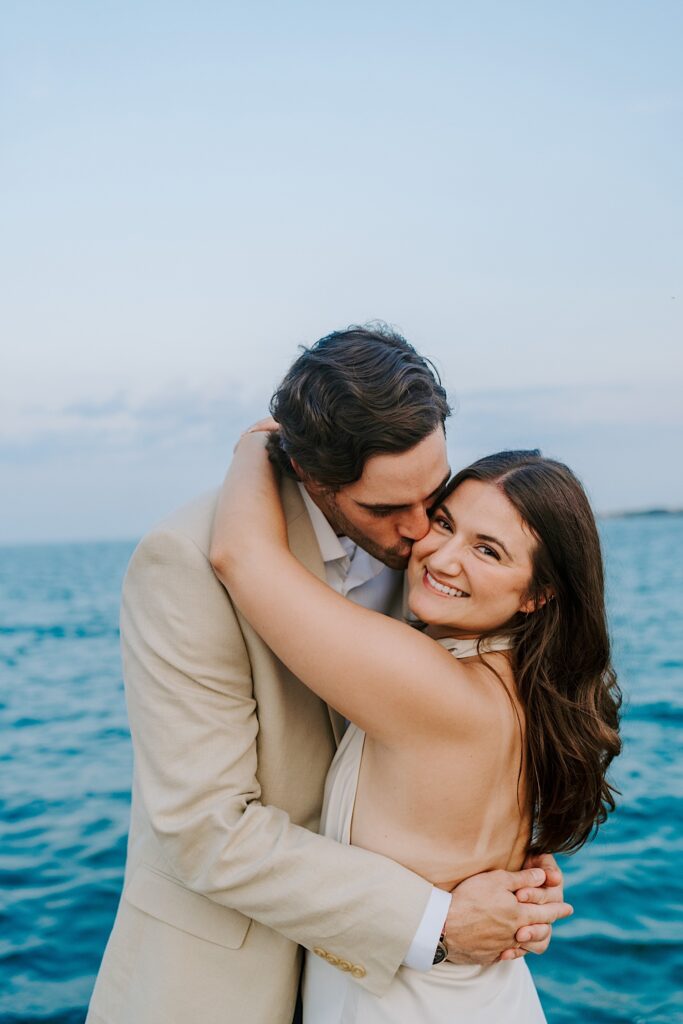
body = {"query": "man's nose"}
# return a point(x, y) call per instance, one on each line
point(414, 524)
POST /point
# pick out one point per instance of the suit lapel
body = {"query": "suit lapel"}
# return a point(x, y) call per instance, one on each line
point(304, 546)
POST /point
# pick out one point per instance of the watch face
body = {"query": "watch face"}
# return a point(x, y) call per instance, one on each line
point(441, 953)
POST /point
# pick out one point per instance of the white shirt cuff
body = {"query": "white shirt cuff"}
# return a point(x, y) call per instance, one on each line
point(420, 956)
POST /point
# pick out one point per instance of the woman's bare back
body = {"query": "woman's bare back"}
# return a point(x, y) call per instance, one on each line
point(448, 810)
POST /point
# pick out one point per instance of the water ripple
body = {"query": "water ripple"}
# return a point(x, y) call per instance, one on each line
point(66, 766)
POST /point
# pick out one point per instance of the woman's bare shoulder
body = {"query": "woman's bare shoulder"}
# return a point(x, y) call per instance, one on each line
point(484, 688)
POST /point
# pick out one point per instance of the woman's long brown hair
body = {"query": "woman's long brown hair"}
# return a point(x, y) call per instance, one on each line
point(561, 650)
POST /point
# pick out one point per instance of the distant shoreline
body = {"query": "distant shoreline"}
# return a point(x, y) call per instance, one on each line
point(641, 513)
point(7, 545)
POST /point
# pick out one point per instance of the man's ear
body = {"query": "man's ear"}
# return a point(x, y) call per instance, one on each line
point(311, 485)
point(532, 604)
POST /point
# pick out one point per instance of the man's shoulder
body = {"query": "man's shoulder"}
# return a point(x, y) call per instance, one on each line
point(178, 541)
point(193, 521)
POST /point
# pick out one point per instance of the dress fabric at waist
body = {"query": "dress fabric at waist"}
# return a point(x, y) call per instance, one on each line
point(501, 993)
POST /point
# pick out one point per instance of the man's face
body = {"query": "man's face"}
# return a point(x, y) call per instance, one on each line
point(386, 509)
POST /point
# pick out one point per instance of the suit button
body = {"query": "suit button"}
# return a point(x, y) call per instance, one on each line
point(319, 952)
point(357, 971)
point(344, 965)
point(332, 959)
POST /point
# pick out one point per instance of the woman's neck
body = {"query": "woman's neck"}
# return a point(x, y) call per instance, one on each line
point(444, 632)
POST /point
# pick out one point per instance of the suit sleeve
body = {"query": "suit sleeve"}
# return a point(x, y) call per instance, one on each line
point(194, 725)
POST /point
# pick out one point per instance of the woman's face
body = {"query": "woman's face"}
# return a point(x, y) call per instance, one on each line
point(473, 569)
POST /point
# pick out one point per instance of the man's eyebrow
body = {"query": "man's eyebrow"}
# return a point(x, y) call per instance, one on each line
point(380, 505)
point(397, 508)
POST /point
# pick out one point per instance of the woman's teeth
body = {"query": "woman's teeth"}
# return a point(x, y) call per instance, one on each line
point(442, 588)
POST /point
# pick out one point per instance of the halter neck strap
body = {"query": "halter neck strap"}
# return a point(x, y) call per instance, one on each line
point(470, 647)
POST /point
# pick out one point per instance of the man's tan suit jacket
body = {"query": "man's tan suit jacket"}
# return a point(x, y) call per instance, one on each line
point(226, 877)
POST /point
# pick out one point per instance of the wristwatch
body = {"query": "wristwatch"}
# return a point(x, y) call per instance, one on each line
point(441, 950)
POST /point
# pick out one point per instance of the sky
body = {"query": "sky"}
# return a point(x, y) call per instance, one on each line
point(190, 192)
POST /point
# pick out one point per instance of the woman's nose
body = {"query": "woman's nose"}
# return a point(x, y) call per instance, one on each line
point(447, 558)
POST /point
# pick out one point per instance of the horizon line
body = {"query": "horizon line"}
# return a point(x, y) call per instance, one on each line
point(654, 511)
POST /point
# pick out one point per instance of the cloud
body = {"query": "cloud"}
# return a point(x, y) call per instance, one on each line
point(120, 424)
point(110, 468)
point(578, 406)
point(622, 442)
point(96, 410)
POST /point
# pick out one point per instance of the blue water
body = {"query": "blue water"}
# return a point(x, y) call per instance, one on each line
point(65, 764)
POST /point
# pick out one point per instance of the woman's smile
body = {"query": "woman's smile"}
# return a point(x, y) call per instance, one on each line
point(438, 587)
point(478, 548)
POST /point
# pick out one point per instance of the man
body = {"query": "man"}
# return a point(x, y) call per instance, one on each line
point(226, 877)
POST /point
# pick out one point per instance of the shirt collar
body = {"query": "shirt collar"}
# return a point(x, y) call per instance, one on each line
point(331, 547)
point(328, 542)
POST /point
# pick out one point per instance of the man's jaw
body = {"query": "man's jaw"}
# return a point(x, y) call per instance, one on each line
point(394, 560)
point(396, 557)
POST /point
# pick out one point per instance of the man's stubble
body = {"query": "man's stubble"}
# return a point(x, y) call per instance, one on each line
point(396, 557)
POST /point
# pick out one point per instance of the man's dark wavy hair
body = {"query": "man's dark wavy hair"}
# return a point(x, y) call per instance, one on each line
point(355, 393)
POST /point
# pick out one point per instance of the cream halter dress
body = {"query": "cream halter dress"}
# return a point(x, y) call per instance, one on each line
point(502, 993)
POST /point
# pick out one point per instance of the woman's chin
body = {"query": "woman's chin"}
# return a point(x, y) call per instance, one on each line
point(425, 612)
point(415, 606)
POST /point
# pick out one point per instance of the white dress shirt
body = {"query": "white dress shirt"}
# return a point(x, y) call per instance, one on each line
point(366, 581)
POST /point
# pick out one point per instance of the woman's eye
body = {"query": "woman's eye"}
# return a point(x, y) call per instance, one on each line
point(486, 550)
point(441, 522)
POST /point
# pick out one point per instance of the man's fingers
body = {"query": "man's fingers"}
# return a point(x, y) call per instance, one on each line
point(512, 954)
point(553, 876)
point(546, 862)
point(531, 877)
point(540, 894)
point(537, 947)
point(549, 912)
point(532, 933)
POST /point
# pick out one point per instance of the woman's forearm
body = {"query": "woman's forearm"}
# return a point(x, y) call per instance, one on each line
point(381, 674)
point(249, 514)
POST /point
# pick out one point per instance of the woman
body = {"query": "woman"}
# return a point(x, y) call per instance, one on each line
point(482, 738)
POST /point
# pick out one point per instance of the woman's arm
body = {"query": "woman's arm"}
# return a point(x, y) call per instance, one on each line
point(379, 673)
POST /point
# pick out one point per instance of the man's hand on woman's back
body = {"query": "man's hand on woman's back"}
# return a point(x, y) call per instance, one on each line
point(504, 914)
point(536, 938)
